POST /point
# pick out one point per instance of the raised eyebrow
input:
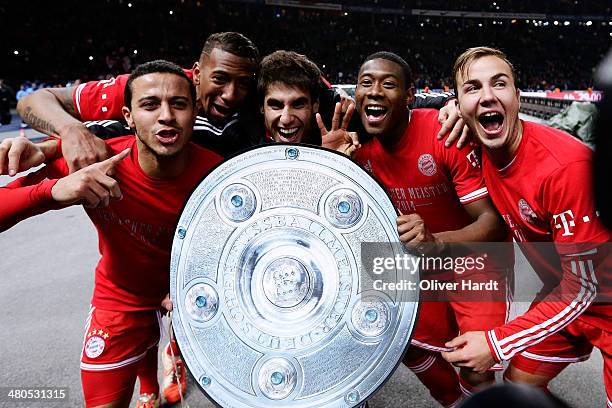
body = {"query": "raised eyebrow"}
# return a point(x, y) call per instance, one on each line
point(471, 82)
point(498, 76)
point(179, 98)
point(299, 100)
point(391, 76)
point(149, 99)
point(220, 71)
point(273, 101)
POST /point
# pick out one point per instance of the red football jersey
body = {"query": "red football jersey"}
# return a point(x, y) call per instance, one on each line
point(423, 177)
point(135, 234)
point(545, 195)
point(99, 100)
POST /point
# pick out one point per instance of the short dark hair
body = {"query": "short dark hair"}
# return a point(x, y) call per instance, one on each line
point(393, 57)
point(152, 67)
point(291, 68)
point(232, 42)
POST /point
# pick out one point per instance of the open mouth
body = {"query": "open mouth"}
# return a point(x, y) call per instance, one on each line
point(492, 122)
point(288, 134)
point(375, 113)
point(221, 110)
point(167, 136)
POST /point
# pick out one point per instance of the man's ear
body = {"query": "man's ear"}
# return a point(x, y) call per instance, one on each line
point(127, 115)
point(195, 71)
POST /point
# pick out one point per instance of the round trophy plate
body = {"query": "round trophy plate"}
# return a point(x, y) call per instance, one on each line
point(273, 306)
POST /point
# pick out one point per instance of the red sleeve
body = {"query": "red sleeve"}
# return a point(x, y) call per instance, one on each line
point(579, 238)
point(97, 100)
point(25, 197)
point(568, 197)
point(465, 172)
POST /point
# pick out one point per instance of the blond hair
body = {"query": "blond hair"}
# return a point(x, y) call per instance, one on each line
point(463, 62)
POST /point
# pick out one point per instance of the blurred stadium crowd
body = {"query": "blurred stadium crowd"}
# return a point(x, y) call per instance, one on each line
point(47, 46)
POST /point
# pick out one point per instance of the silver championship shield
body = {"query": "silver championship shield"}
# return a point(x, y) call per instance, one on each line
point(273, 303)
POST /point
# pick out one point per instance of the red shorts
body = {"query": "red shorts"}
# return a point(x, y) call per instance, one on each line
point(114, 346)
point(572, 344)
point(441, 321)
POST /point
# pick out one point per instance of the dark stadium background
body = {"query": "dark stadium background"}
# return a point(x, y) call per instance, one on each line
point(554, 44)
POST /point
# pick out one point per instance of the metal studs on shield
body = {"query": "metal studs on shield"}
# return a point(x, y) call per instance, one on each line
point(238, 202)
point(370, 316)
point(277, 378)
point(201, 302)
point(343, 208)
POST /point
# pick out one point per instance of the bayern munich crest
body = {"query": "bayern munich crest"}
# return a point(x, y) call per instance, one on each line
point(527, 212)
point(94, 346)
point(271, 306)
point(427, 165)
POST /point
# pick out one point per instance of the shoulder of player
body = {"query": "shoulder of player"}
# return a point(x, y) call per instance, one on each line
point(204, 157)
point(425, 123)
point(118, 144)
point(553, 148)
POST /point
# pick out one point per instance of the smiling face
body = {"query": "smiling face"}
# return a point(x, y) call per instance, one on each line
point(288, 112)
point(382, 97)
point(489, 103)
point(162, 112)
point(223, 81)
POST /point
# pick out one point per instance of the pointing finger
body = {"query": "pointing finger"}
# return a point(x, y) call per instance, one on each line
point(111, 162)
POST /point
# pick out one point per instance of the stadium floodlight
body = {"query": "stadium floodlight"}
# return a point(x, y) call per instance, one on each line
point(566, 23)
point(16, 52)
point(589, 23)
point(91, 57)
point(556, 22)
point(135, 51)
point(129, 4)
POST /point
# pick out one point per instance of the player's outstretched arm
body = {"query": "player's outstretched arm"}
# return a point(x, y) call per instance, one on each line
point(34, 193)
point(52, 111)
point(487, 225)
point(20, 154)
point(338, 138)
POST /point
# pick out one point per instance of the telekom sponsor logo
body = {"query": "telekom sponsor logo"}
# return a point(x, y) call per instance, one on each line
point(565, 221)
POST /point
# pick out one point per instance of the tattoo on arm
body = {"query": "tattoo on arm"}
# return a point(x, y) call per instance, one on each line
point(37, 123)
point(64, 95)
